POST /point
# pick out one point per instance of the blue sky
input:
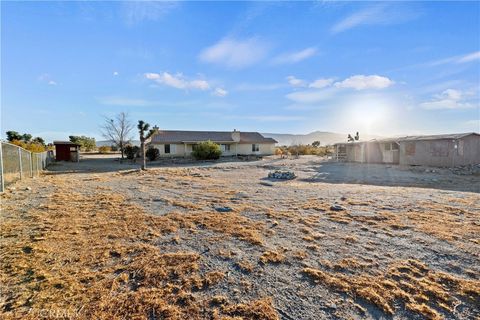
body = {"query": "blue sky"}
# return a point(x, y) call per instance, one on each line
point(379, 68)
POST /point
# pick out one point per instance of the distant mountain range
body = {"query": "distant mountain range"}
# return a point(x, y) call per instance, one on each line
point(289, 139)
point(325, 138)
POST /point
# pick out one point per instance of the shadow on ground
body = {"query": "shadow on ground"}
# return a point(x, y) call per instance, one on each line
point(391, 175)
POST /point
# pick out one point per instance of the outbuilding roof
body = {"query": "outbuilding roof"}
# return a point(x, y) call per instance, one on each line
point(451, 136)
point(66, 142)
point(178, 136)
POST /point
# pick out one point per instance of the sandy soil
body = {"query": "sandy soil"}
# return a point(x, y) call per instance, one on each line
point(406, 245)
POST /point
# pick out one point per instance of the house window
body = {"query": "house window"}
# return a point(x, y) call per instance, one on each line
point(167, 148)
point(194, 147)
point(225, 147)
point(395, 146)
point(388, 146)
point(255, 147)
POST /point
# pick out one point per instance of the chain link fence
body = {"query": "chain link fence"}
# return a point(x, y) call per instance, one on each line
point(17, 163)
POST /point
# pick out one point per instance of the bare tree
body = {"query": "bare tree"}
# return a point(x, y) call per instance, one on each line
point(142, 128)
point(118, 130)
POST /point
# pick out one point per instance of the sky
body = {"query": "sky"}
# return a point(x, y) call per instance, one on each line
point(384, 68)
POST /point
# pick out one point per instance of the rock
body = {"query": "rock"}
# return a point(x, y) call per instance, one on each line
point(223, 209)
point(265, 183)
point(241, 194)
point(282, 175)
point(337, 207)
point(28, 189)
point(343, 198)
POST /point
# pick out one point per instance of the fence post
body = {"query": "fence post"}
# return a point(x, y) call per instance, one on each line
point(2, 184)
point(31, 165)
point(20, 162)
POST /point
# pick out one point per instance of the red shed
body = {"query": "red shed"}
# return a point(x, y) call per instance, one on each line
point(67, 151)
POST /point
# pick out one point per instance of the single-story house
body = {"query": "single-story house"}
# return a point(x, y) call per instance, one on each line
point(175, 143)
point(435, 150)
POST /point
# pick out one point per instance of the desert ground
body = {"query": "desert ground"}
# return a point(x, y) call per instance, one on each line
point(104, 240)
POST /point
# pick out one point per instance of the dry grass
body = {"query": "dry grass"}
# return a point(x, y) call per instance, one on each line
point(272, 257)
point(410, 282)
point(95, 254)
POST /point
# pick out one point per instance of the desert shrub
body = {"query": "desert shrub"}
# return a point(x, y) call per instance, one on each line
point(86, 143)
point(104, 149)
point(152, 153)
point(207, 150)
point(30, 146)
point(131, 152)
point(304, 149)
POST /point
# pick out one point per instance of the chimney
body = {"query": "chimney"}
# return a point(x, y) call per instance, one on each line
point(236, 135)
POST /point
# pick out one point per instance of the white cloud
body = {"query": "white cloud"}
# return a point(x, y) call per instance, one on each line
point(122, 101)
point(295, 82)
point(235, 53)
point(312, 96)
point(294, 57)
point(362, 82)
point(219, 92)
point(469, 57)
point(177, 81)
point(321, 83)
point(134, 12)
point(47, 78)
point(448, 99)
point(376, 15)
point(366, 16)
point(115, 73)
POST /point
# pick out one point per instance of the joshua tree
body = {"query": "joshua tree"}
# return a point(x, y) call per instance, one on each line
point(142, 128)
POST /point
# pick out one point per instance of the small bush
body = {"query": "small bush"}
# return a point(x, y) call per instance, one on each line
point(104, 149)
point(30, 146)
point(131, 152)
point(207, 150)
point(304, 150)
point(152, 153)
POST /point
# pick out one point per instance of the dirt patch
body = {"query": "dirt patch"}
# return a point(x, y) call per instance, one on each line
point(148, 245)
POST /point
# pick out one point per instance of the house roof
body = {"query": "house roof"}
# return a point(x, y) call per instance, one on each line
point(177, 136)
point(253, 137)
point(66, 142)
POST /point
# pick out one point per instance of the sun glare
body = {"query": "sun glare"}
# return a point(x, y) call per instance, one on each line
point(367, 115)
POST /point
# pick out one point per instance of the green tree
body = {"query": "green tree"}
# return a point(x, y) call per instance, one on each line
point(13, 135)
point(152, 153)
point(131, 151)
point(26, 137)
point(39, 140)
point(86, 143)
point(207, 150)
point(316, 144)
